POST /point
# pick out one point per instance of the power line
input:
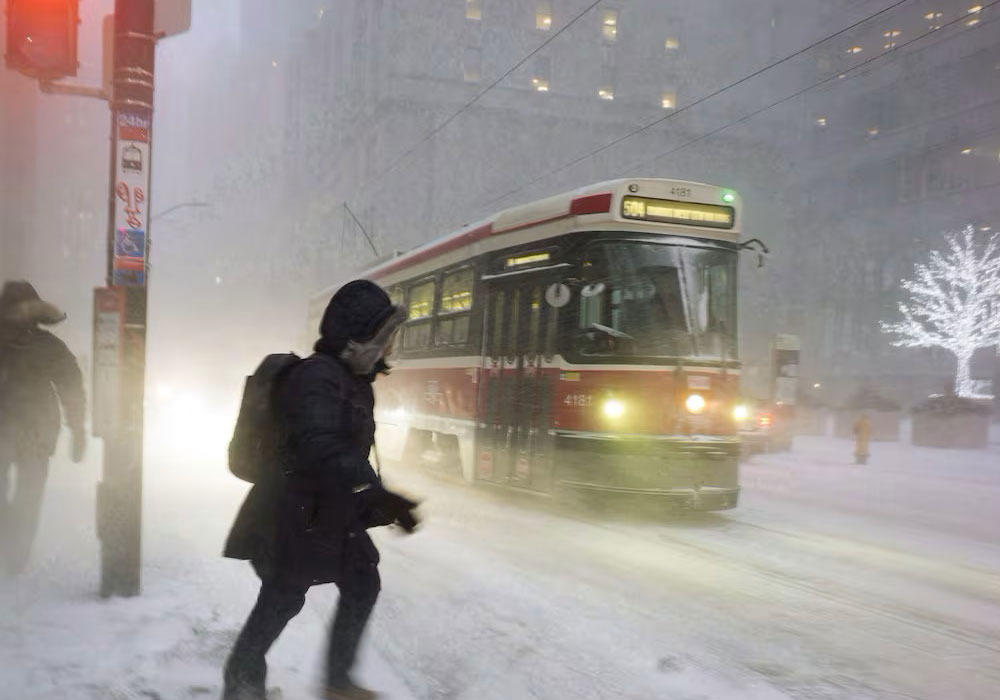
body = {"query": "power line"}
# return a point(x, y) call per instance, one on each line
point(467, 105)
point(727, 87)
point(832, 78)
point(701, 100)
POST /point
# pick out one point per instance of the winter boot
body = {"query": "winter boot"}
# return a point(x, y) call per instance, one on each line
point(347, 691)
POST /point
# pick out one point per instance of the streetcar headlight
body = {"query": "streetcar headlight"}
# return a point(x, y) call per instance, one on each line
point(613, 408)
point(740, 412)
point(695, 403)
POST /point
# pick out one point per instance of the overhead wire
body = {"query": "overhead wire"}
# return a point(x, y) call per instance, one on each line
point(813, 86)
point(675, 113)
point(436, 130)
point(832, 78)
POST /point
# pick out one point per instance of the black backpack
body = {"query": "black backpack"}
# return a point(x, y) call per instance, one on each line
point(257, 436)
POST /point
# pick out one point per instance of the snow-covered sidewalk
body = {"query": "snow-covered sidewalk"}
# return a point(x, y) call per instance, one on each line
point(59, 640)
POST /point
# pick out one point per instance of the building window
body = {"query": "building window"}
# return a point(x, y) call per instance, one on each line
point(543, 16)
point(472, 64)
point(672, 43)
point(474, 9)
point(540, 77)
point(609, 25)
point(668, 100)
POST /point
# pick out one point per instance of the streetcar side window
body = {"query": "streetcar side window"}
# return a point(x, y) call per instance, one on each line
point(454, 314)
point(420, 306)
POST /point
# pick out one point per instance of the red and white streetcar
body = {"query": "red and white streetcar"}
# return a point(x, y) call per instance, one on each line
point(586, 341)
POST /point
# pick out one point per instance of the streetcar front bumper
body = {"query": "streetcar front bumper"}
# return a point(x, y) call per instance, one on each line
point(692, 472)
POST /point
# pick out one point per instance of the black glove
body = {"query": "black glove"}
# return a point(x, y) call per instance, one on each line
point(386, 507)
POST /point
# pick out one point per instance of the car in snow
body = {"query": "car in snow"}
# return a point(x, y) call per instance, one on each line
point(764, 426)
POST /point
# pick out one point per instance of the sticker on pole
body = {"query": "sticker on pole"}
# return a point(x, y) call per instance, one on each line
point(131, 217)
point(130, 257)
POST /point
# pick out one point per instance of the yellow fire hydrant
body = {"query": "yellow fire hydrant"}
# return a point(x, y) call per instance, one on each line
point(862, 433)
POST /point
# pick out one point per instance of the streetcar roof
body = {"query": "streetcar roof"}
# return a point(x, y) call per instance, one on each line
point(595, 201)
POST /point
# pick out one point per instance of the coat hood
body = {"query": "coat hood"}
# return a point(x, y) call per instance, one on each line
point(21, 305)
point(357, 323)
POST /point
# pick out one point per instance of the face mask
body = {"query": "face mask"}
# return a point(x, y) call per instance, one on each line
point(362, 357)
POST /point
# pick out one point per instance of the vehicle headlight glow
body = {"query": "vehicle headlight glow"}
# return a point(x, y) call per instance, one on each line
point(740, 412)
point(695, 403)
point(613, 408)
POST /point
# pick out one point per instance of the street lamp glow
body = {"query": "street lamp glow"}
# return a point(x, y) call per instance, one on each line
point(740, 412)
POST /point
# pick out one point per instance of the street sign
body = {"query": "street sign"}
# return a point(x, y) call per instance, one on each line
point(171, 17)
point(109, 324)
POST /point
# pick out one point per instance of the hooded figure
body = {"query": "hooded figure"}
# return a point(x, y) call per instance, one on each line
point(37, 372)
point(306, 524)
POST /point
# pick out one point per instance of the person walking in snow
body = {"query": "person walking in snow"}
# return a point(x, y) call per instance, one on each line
point(37, 373)
point(307, 524)
point(862, 433)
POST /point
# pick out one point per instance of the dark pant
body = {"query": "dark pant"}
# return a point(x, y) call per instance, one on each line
point(277, 603)
point(22, 485)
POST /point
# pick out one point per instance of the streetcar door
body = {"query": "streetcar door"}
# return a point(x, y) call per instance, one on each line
point(513, 446)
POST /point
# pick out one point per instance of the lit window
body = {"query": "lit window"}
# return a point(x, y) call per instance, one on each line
point(456, 292)
point(474, 9)
point(472, 64)
point(609, 25)
point(540, 79)
point(972, 22)
point(672, 43)
point(421, 301)
point(966, 151)
point(975, 9)
point(417, 332)
point(668, 100)
point(606, 94)
point(891, 33)
point(934, 15)
point(820, 121)
point(543, 16)
point(855, 49)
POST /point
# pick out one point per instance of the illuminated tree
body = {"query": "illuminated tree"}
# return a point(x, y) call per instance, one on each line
point(954, 302)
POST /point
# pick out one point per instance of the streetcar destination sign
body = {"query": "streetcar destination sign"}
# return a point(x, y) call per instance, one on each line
point(673, 212)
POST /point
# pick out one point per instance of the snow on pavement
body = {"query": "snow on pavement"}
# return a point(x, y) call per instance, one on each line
point(829, 581)
point(59, 640)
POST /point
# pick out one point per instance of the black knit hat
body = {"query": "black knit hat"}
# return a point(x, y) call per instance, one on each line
point(355, 313)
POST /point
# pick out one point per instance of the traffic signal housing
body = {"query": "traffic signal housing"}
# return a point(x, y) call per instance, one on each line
point(41, 37)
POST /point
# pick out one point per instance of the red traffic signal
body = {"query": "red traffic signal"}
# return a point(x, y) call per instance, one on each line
point(41, 37)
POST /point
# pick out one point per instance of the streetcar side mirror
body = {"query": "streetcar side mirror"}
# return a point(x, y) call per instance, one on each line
point(758, 247)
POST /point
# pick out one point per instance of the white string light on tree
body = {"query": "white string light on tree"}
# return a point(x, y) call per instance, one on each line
point(954, 302)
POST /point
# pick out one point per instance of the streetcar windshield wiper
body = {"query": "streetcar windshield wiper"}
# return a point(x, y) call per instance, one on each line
point(611, 331)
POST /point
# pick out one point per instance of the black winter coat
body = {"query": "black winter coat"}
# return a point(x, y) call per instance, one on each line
point(306, 524)
point(36, 371)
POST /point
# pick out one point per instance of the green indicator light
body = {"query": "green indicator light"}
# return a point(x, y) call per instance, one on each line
point(728, 197)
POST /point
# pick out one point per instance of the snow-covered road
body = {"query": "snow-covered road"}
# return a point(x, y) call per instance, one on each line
point(829, 581)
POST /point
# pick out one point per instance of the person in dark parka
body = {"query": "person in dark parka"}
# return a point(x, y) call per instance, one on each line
point(37, 372)
point(305, 524)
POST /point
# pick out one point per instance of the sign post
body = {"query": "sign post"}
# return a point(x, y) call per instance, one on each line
point(119, 500)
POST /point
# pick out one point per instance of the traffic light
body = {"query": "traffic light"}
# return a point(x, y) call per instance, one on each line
point(41, 37)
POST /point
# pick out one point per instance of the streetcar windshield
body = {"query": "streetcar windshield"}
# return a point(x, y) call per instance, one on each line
point(657, 300)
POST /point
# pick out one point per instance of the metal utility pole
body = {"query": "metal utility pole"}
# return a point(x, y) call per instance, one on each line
point(119, 503)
